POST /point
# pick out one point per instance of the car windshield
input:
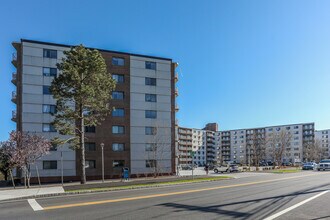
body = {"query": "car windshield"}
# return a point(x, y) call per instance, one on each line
point(325, 161)
point(308, 163)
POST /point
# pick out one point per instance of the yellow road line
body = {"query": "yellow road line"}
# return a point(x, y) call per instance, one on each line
point(165, 194)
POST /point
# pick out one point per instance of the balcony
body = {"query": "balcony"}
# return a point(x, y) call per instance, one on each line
point(176, 108)
point(176, 77)
point(14, 97)
point(13, 116)
point(14, 78)
point(14, 59)
point(176, 92)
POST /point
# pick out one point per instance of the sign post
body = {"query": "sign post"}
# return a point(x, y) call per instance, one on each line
point(192, 153)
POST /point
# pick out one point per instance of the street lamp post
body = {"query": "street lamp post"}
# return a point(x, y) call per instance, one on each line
point(102, 148)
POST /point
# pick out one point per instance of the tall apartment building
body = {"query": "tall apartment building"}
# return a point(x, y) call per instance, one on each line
point(235, 145)
point(323, 136)
point(196, 146)
point(144, 117)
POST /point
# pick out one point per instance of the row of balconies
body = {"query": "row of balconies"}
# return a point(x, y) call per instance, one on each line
point(14, 81)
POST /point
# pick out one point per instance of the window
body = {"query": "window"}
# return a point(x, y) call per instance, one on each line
point(151, 98)
point(151, 81)
point(150, 130)
point(296, 127)
point(118, 129)
point(49, 164)
point(46, 90)
point(119, 78)
point(151, 147)
point(90, 129)
point(151, 163)
point(118, 95)
point(90, 146)
point(49, 109)
point(278, 129)
point(151, 114)
point(287, 128)
point(49, 71)
point(116, 61)
point(118, 163)
point(118, 147)
point(118, 112)
point(90, 164)
point(48, 128)
point(150, 65)
point(50, 53)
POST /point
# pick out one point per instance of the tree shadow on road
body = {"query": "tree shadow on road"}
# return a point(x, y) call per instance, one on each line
point(257, 208)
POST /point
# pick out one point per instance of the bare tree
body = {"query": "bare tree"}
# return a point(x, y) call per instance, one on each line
point(313, 151)
point(27, 148)
point(158, 150)
point(256, 144)
point(278, 143)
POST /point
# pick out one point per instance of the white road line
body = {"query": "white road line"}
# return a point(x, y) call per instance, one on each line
point(34, 205)
point(294, 206)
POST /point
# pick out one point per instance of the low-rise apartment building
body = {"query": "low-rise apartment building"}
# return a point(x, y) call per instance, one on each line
point(143, 122)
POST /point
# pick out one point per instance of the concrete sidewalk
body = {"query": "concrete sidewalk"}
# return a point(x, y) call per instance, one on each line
point(19, 193)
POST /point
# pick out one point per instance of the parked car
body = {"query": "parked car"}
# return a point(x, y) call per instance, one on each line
point(226, 168)
point(324, 165)
point(287, 164)
point(309, 166)
point(234, 168)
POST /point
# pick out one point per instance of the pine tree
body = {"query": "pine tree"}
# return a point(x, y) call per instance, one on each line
point(83, 93)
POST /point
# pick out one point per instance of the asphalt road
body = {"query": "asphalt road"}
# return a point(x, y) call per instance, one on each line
point(301, 195)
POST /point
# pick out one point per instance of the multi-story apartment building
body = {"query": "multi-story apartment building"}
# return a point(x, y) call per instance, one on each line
point(196, 146)
point(144, 119)
point(323, 136)
point(237, 145)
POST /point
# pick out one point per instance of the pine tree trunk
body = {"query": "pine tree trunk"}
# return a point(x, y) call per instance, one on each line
point(82, 148)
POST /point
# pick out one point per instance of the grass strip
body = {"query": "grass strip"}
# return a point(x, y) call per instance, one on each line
point(280, 171)
point(147, 185)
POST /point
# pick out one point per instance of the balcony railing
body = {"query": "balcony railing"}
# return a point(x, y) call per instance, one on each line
point(176, 92)
point(14, 59)
point(176, 108)
point(14, 78)
point(176, 77)
point(13, 116)
point(13, 96)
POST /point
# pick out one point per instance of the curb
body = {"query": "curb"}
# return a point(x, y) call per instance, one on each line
point(107, 190)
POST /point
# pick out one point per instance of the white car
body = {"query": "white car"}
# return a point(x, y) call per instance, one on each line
point(324, 165)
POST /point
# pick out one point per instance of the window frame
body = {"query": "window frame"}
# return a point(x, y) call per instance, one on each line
point(49, 53)
point(119, 149)
point(118, 129)
point(51, 162)
point(151, 114)
point(148, 97)
point(118, 110)
point(149, 81)
point(52, 72)
point(115, 61)
point(52, 109)
point(120, 76)
point(118, 92)
point(150, 65)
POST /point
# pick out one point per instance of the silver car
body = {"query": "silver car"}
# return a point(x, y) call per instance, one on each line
point(324, 165)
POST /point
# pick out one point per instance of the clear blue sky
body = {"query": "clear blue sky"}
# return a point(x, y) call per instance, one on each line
point(242, 63)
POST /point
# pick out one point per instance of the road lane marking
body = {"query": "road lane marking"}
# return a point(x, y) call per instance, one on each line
point(164, 194)
point(295, 206)
point(35, 205)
